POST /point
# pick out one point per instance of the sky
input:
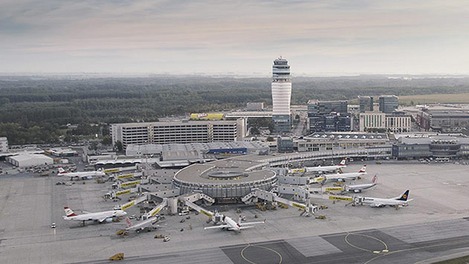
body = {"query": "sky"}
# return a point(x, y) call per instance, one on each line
point(239, 37)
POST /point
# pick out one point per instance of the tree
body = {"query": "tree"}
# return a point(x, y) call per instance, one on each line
point(106, 140)
point(118, 146)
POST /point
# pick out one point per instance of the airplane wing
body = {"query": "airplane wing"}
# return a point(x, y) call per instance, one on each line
point(251, 223)
point(102, 219)
point(219, 226)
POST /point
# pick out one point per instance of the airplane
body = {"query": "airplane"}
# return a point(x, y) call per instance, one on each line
point(84, 175)
point(323, 169)
point(357, 188)
point(231, 225)
point(341, 177)
point(382, 202)
point(147, 224)
point(99, 216)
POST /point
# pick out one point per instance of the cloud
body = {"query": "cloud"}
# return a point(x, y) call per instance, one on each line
point(234, 32)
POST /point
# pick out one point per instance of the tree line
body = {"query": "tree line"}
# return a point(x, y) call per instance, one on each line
point(38, 109)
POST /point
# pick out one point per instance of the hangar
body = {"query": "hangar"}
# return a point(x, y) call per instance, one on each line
point(28, 160)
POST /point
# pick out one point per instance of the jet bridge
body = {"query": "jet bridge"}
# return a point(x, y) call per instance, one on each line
point(189, 200)
point(195, 196)
point(138, 200)
point(156, 210)
point(115, 194)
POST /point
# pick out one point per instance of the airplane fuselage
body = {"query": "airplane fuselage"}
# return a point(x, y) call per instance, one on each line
point(99, 216)
point(380, 202)
point(324, 169)
point(359, 187)
point(344, 176)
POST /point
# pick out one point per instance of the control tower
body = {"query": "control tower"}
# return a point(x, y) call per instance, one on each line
point(281, 96)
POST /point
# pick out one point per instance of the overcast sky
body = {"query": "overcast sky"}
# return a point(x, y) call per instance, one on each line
point(330, 37)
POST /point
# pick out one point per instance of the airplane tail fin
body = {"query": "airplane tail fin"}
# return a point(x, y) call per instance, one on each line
point(342, 162)
point(363, 169)
point(69, 212)
point(404, 196)
point(374, 179)
point(128, 222)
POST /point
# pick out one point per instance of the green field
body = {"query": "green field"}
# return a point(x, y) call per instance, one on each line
point(460, 98)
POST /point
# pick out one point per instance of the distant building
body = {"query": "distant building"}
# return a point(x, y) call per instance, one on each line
point(354, 111)
point(330, 141)
point(377, 121)
point(62, 152)
point(207, 116)
point(388, 103)
point(281, 96)
point(444, 118)
point(366, 103)
point(255, 106)
point(328, 116)
point(181, 150)
point(316, 107)
point(284, 144)
point(372, 121)
point(178, 132)
point(3, 144)
point(431, 146)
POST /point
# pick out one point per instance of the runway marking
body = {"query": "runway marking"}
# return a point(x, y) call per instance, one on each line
point(364, 249)
point(412, 249)
point(249, 245)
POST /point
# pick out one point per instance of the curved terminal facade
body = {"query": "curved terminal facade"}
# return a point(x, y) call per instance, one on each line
point(227, 181)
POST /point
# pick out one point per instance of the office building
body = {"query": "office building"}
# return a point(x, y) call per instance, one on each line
point(316, 107)
point(366, 103)
point(381, 122)
point(281, 96)
point(3, 144)
point(328, 116)
point(388, 103)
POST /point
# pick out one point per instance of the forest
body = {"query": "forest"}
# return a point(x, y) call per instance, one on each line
point(51, 109)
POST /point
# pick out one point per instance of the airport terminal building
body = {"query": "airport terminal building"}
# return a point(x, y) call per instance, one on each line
point(434, 146)
point(227, 181)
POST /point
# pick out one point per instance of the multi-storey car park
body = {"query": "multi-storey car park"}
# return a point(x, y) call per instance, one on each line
point(178, 132)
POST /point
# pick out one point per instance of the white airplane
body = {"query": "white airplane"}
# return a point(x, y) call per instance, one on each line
point(147, 224)
point(84, 175)
point(323, 169)
point(341, 177)
point(382, 202)
point(99, 216)
point(229, 224)
point(357, 188)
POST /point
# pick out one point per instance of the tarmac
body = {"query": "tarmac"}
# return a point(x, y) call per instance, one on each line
point(435, 225)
